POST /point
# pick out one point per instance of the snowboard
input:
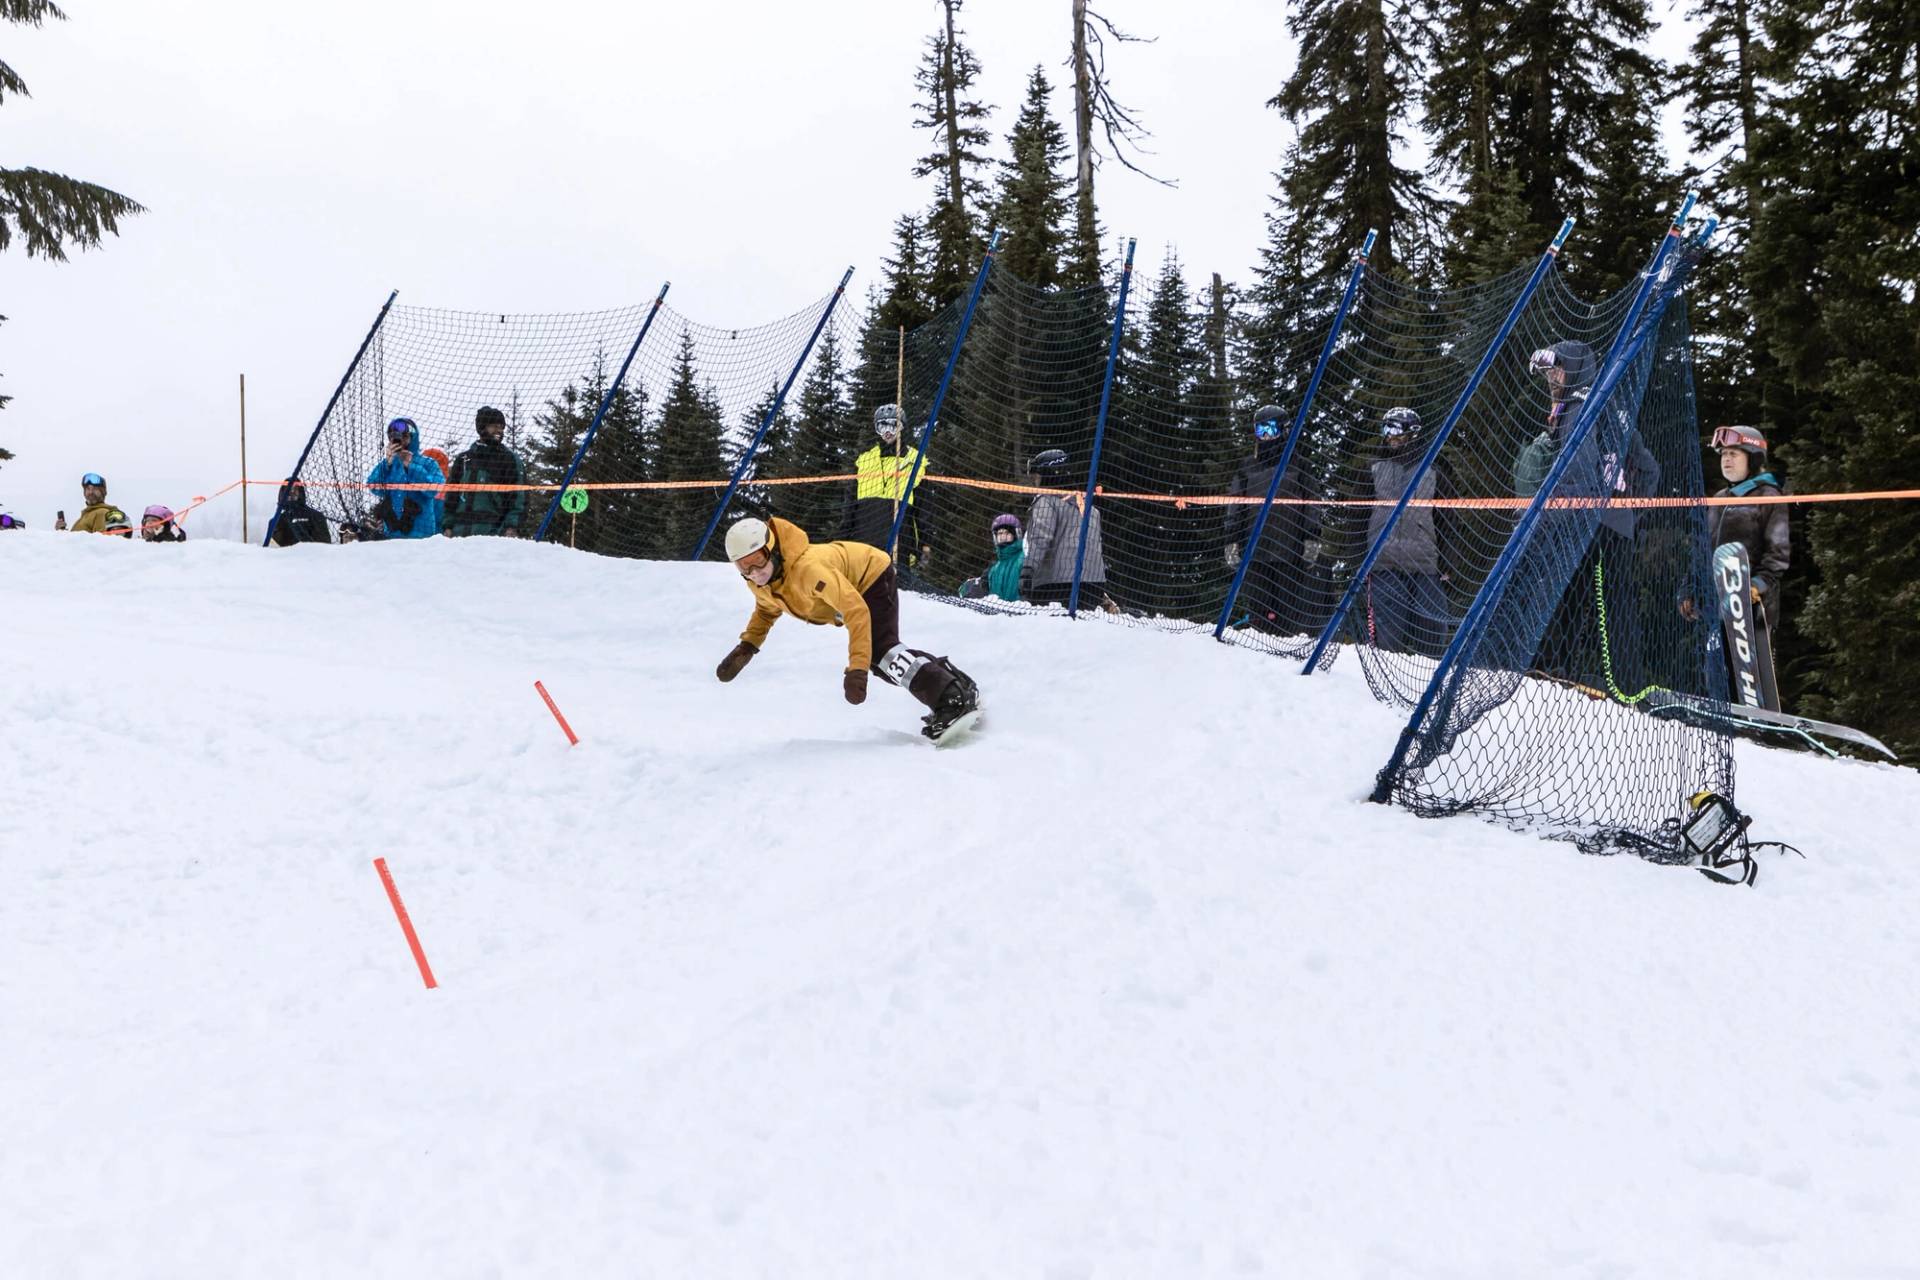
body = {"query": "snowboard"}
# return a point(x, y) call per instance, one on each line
point(1722, 717)
point(959, 730)
point(1749, 642)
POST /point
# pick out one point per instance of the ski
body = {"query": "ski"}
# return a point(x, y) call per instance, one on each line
point(1709, 714)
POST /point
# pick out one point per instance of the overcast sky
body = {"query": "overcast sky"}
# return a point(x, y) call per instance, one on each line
point(299, 161)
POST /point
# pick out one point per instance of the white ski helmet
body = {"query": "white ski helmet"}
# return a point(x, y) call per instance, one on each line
point(886, 421)
point(746, 536)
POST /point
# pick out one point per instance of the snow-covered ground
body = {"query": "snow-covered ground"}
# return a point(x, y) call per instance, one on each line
point(755, 983)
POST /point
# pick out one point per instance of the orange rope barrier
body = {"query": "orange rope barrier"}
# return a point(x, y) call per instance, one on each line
point(1195, 500)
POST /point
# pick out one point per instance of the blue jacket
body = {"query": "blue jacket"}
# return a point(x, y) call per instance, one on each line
point(407, 513)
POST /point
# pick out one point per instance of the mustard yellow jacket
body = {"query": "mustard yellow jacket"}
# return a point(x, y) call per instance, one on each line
point(819, 582)
point(103, 517)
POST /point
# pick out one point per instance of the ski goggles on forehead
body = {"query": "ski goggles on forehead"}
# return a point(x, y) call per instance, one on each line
point(1738, 438)
point(94, 477)
point(1267, 429)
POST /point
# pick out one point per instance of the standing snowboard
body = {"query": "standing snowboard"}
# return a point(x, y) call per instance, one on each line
point(1749, 641)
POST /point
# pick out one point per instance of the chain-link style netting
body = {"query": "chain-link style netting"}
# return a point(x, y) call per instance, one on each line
point(1554, 710)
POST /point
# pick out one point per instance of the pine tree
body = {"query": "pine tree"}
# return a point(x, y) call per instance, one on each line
point(827, 436)
point(1350, 86)
point(1580, 117)
point(907, 303)
point(1030, 205)
point(688, 446)
point(1094, 104)
point(1835, 269)
point(947, 74)
point(1482, 236)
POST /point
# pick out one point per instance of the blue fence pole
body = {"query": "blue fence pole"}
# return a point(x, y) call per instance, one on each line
point(606, 402)
point(1495, 586)
point(939, 397)
point(1293, 434)
point(1100, 433)
point(1359, 578)
point(328, 411)
point(773, 411)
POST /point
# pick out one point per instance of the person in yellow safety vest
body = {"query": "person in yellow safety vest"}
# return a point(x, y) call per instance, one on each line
point(880, 481)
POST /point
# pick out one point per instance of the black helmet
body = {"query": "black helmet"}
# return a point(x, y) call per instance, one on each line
point(1266, 421)
point(1048, 462)
point(1400, 421)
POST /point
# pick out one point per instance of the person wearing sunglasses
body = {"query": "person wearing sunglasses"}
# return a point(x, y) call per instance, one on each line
point(99, 515)
point(846, 584)
point(411, 512)
point(1285, 592)
point(1762, 528)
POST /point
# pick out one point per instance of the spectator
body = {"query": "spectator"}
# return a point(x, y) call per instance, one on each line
point(1284, 591)
point(99, 515)
point(1405, 599)
point(405, 513)
point(8, 521)
point(487, 461)
point(1002, 577)
point(881, 477)
point(1761, 528)
point(59, 520)
point(1053, 540)
point(157, 524)
point(297, 521)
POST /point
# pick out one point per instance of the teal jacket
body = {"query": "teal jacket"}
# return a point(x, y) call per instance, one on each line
point(1003, 575)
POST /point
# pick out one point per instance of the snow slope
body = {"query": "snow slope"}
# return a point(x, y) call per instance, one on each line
point(755, 983)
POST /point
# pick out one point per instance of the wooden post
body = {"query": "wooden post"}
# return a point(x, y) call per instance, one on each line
point(244, 536)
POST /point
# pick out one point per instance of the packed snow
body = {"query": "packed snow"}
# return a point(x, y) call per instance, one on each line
point(755, 983)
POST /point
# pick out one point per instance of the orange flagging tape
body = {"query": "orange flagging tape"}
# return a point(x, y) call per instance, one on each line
point(406, 923)
point(564, 726)
point(1178, 501)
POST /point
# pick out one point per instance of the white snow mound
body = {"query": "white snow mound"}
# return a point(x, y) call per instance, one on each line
point(756, 983)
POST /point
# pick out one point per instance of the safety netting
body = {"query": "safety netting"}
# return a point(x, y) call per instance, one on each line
point(1567, 701)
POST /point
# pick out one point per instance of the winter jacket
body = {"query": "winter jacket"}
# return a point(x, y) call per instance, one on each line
point(820, 583)
point(1414, 545)
point(407, 513)
point(1003, 575)
point(1762, 529)
point(482, 512)
point(1585, 476)
point(1289, 525)
point(103, 517)
point(1053, 541)
point(879, 480)
point(299, 522)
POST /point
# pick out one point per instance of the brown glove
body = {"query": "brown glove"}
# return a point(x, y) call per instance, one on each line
point(730, 665)
point(855, 684)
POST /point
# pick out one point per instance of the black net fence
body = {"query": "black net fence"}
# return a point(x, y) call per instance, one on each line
point(1565, 704)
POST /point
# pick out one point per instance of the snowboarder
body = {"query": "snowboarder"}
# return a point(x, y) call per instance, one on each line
point(100, 516)
point(1053, 540)
point(1002, 577)
point(1762, 529)
point(1284, 591)
point(487, 461)
point(846, 584)
point(1405, 599)
point(881, 477)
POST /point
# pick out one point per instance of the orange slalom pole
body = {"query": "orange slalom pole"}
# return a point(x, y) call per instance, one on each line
point(406, 923)
point(565, 728)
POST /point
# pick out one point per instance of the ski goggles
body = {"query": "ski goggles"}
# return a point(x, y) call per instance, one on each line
point(1738, 438)
point(94, 477)
point(400, 428)
point(1267, 429)
point(8, 522)
point(753, 562)
point(1542, 360)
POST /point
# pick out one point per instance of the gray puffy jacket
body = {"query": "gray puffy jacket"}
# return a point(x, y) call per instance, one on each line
point(1414, 546)
point(1053, 538)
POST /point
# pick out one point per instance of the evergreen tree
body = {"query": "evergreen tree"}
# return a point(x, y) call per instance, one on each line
point(688, 446)
point(946, 78)
point(1030, 205)
point(1350, 86)
point(1483, 233)
point(827, 436)
point(1580, 118)
point(1094, 104)
point(907, 302)
point(1835, 268)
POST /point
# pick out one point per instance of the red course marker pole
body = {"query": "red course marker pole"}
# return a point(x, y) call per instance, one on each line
point(565, 728)
point(406, 924)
